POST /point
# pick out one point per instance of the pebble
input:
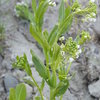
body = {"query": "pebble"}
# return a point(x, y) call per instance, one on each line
point(29, 90)
point(94, 89)
point(9, 82)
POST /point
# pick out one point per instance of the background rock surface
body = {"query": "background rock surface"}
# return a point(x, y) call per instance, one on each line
point(86, 83)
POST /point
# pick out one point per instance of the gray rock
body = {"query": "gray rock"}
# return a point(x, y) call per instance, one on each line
point(9, 82)
point(94, 89)
point(7, 64)
point(29, 90)
point(19, 74)
point(96, 27)
point(36, 76)
point(93, 56)
point(0, 59)
point(1, 88)
point(69, 96)
point(92, 73)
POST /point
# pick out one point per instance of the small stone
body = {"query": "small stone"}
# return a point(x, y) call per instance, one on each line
point(1, 88)
point(9, 82)
point(19, 74)
point(94, 89)
point(0, 59)
point(36, 76)
point(92, 73)
point(29, 90)
point(7, 64)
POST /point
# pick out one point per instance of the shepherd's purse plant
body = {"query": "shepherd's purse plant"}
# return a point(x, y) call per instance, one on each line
point(59, 52)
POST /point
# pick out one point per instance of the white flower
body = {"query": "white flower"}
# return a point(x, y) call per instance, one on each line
point(71, 59)
point(93, 14)
point(80, 51)
point(21, 3)
point(92, 19)
point(85, 36)
point(78, 9)
point(78, 46)
point(92, 0)
point(52, 3)
point(62, 38)
point(62, 46)
point(62, 53)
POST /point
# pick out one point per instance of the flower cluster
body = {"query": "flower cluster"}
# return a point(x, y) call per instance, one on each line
point(20, 63)
point(71, 47)
point(21, 4)
point(70, 50)
point(89, 12)
point(21, 9)
point(52, 3)
point(76, 6)
point(84, 37)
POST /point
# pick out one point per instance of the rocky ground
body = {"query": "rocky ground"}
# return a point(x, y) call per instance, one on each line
point(86, 83)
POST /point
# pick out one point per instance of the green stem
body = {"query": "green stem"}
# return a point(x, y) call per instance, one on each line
point(47, 61)
point(61, 97)
point(52, 94)
point(37, 87)
point(68, 68)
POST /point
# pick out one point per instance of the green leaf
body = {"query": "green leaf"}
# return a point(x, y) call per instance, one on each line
point(12, 94)
point(29, 82)
point(37, 98)
point(56, 52)
point(42, 84)
point(61, 11)
point(53, 35)
point(39, 66)
point(35, 34)
point(45, 34)
point(53, 81)
point(65, 25)
point(61, 88)
point(27, 66)
point(20, 92)
point(34, 5)
point(67, 11)
point(40, 13)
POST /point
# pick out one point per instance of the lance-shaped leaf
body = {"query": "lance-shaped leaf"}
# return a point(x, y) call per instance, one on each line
point(61, 88)
point(29, 82)
point(12, 95)
point(67, 11)
point(35, 34)
point(34, 5)
point(40, 12)
point(37, 98)
point(20, 92)
point(52, 82)
point(52, 36)
point(61, 11)
point(27, 66)
point(22, 63)
point(56, 52)
point(39, 66)
point(65, 25)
